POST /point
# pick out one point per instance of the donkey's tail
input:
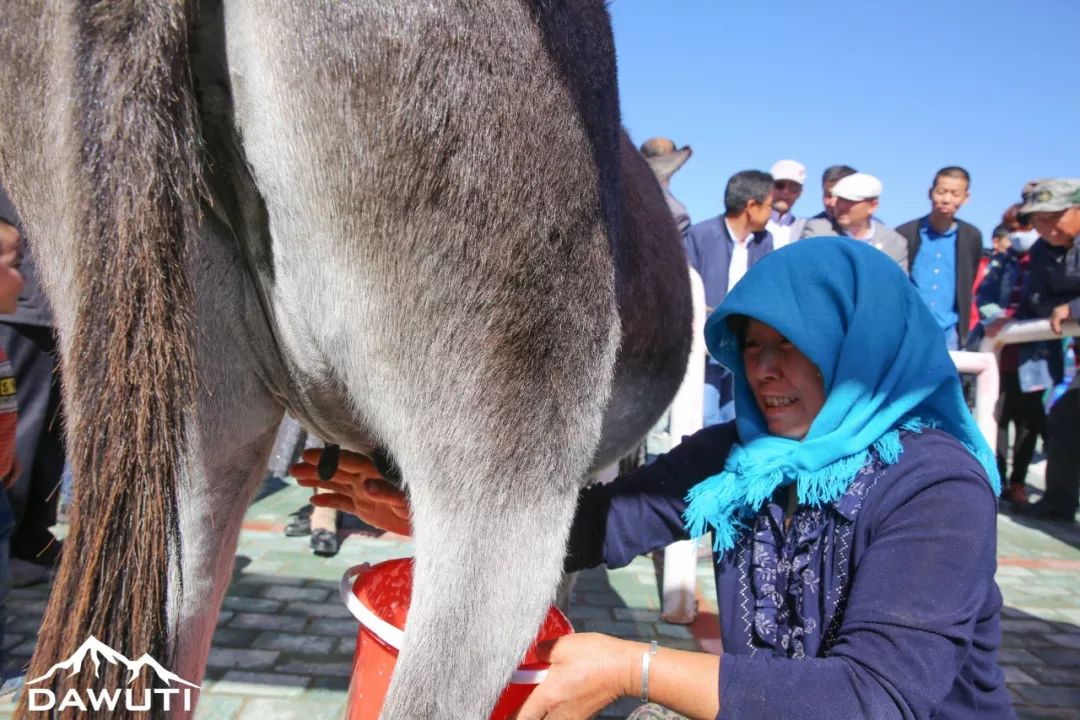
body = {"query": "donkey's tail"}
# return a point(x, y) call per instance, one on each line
point(128, 369)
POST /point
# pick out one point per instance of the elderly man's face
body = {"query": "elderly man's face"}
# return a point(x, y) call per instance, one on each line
point(853, 213)
point(759, 213)
point(785, 193)
point(1058, 228)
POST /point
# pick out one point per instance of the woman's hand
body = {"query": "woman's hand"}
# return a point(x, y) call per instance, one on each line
point(588, 672)
point(358, 488)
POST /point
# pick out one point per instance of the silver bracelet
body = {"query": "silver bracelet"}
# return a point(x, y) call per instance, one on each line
point(646, 658)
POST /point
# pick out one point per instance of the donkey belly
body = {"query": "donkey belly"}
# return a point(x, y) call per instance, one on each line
point(427, 255)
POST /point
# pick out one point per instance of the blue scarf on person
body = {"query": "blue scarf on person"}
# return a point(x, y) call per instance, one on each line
point(850, 309)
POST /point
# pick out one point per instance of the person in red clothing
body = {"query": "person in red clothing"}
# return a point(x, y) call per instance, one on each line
point(999, 243)
point(11, 282)
point(998, 297)
point(28, 338)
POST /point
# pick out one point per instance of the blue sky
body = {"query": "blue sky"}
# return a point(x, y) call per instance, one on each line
point(896, 88)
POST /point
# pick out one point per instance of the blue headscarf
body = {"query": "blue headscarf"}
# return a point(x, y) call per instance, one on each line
point(851, 310)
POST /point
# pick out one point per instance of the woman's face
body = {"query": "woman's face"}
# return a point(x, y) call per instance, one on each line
point(788, 388)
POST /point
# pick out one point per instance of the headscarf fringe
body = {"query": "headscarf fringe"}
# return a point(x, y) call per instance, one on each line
point(725, 502)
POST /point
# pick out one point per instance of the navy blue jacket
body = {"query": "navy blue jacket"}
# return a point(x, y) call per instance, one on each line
point(709, 248)
point(1053, 279)
point(901, 611)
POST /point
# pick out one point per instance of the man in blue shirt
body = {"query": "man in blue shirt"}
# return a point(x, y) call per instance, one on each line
point(721, 249)
point(944, 254)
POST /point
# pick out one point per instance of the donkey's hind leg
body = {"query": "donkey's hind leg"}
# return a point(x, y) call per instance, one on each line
point(232, 430)
point(212, 504)
point(487, 566)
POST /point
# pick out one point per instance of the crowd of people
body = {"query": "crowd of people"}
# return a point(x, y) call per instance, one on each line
point(1029, 272)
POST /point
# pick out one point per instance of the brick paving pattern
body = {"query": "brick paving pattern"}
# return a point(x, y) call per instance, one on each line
point(284, 642)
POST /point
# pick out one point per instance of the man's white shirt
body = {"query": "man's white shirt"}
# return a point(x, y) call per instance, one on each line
point(740, 257)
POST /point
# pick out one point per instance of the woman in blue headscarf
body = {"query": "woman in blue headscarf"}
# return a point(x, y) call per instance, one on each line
point(853, 512)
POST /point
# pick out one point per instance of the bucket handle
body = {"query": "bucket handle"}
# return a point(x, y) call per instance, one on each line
point(394, 637)
point(379, 627)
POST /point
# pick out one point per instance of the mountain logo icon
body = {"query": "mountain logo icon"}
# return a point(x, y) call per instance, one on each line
point(90, 657)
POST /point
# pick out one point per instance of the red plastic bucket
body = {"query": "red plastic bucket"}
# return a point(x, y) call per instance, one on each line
point(378, 596)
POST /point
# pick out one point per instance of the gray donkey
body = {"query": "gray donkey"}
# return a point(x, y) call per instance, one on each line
point(417, 226)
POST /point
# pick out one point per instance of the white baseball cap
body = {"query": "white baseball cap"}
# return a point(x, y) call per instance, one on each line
point(858, 187)
point(789, 170)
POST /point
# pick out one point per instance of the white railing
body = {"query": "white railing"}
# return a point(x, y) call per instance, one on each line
point(1022, 331)
point(680, 558)
point(984, 364)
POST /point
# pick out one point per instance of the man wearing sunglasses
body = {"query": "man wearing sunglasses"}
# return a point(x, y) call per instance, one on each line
point(789, 176)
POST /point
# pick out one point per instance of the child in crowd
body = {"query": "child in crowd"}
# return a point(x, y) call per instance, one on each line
point(998, 298)
point(11, 283)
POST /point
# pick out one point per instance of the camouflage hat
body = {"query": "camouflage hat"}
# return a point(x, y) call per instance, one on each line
point(1051, 195)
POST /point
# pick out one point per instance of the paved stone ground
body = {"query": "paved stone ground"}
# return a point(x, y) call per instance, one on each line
point(284, 641)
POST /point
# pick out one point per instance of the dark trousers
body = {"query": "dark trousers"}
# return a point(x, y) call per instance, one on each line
point(39, 437)
point(1025, 411)
point(1063, 451)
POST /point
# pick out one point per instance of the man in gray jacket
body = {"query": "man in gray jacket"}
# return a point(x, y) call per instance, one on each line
point(856, 201)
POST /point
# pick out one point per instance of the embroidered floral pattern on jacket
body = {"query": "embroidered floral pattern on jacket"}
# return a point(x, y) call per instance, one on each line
point(790, 607)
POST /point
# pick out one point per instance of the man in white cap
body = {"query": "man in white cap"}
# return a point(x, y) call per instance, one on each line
point(856, 201)
point(789, 176)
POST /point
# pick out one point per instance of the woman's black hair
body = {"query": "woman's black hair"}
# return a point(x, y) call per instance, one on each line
point(737, 324)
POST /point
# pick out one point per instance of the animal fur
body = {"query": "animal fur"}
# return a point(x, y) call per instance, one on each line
point(415, 225)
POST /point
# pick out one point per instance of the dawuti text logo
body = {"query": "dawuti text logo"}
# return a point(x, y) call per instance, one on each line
point(97, 652)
